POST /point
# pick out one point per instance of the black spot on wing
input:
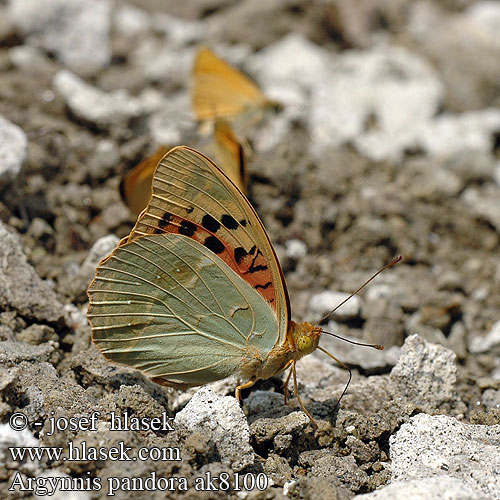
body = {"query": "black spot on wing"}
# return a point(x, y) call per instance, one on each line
point(239, 254)
point(189, 209)
point(187, 228)
point(165, 220)
point(252, 250)
point(213, 243)
point(254, 268)
point(229, 221)
point(243, 222)
point(267, 285)
point(209, 223)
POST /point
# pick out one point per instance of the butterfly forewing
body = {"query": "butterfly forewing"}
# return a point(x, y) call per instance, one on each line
point(169, 307)
point(193, 197)
point(219, 90)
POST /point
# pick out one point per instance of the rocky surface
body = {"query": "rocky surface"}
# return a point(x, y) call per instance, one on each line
point(387, 144)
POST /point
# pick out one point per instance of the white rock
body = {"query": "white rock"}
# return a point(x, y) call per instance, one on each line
point(429, 446)
point(487, 16)
point(130, 21)
point(426, 374)
point(486, 343)
point(10, 438)
point(13, 150)
point(77, 31)
point(429, 488)
point(223, 420)
point(181, 32)
point(295, 249)
point(100, 249)
point(449, 134)
point(27, 58)
point(276, 129)
point(496, 173)
point(74, 316)
point(324, 302)
point(93, 105)
point(491, 398)
point(289, 486)
point(483, 201)
point(292, 59)
point(396, 87)
point(160, 62)
point(169, 124)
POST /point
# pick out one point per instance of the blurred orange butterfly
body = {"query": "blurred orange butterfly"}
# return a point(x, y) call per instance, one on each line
point(220, 90)
point(231, 154)
point(135, 186)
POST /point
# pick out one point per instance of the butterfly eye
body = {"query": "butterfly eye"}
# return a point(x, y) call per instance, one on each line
point(305, 345)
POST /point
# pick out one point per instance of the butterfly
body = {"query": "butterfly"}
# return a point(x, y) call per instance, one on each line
point(135, 186)
point(231, 154)
point(222, 91)
point(195, 292)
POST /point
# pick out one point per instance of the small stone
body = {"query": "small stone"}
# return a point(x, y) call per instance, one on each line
point(449, 135)
point(483, 201)
point(103, 109)
point(180, 32)
point(77, 31)
point(13, 150)
point(100, 249)
point(295, 249)
point(324, 302)
point(37, 334)
point(10, 438)
point(222, 419)
point(13, 353)
point(491, 398)
point(130, 21)
point(488, 342)
point(21, 288)
point(27, 58)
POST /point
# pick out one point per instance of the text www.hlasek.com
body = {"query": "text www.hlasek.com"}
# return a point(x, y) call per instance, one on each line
point(82, 452)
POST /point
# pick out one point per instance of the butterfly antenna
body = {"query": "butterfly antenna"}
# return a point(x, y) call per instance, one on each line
point(375, 346)
point(399, 258)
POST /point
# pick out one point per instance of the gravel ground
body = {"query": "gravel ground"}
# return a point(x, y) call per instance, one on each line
point(388, 143)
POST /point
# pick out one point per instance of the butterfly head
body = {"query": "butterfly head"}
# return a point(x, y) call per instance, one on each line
point(306, 337)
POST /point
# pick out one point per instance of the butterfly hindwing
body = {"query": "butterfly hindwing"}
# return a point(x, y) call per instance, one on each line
point(168, 306)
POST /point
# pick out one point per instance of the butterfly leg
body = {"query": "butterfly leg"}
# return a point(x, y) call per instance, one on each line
point(296, 390)
point(285, 388)
point(237, 391)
